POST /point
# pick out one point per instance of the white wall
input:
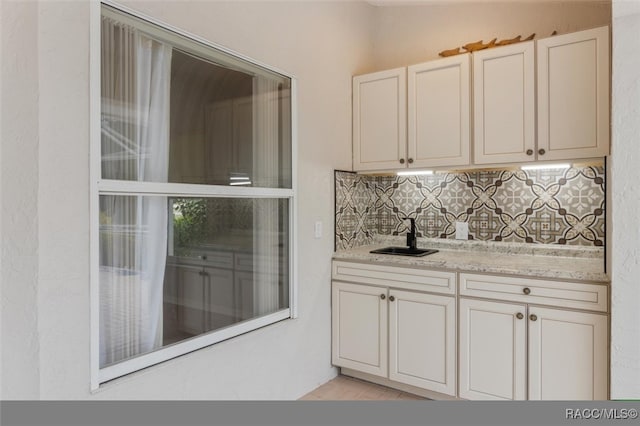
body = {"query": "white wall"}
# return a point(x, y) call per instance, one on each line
point(19, 208)
point(625, 202)
point(45, 196)
point(406, 35)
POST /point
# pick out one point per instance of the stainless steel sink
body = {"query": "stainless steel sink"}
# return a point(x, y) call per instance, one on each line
point(404, 251)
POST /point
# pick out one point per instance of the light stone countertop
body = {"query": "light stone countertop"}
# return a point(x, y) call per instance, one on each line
point(529, 260)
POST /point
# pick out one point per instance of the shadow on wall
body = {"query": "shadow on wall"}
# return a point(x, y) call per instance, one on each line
point(565, 206)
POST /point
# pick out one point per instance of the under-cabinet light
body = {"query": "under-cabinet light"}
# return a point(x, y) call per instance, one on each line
point(246, 182)
point(546, 166)
point(239, 178)
point(415, 172)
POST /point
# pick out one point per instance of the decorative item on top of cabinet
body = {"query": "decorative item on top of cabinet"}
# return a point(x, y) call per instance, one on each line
point(451, 52)
point(507, 41)
point(478, 45)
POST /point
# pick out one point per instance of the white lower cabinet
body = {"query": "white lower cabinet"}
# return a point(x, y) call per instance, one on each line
point(416, 330)
point(206, 298)
point(498, 337)
point(560, 354)
point(492, 350)
point(422, 347)
point(567, 355)
point(359, 327)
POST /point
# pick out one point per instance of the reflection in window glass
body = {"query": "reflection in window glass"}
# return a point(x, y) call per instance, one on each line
point(171, 116)
point(175, 268)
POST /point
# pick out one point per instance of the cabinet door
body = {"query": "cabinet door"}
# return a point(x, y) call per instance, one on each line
point(379, 120)
point(192, 294)
point(359, 327)
point(492, 350)
point(439, 112)
point(504, 104)
point(422, 340)
point(222, 300)
point(573, 95)
point(567, 355)
point(244, 288)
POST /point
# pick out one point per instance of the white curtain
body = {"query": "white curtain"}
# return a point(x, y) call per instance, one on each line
point(136, 72)
point(266, 223)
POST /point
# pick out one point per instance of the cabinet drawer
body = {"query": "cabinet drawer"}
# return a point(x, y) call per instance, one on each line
point(243, 262)
point(394, 276)
point(541, 292)
point(214, 259)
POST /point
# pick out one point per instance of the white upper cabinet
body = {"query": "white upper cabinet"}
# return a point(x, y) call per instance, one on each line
point(504, 104)
point(573, 95)
point(438, 112)
point(379, 120)
point(420, 116)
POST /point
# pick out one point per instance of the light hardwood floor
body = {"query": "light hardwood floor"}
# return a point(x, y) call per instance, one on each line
point(344, 388)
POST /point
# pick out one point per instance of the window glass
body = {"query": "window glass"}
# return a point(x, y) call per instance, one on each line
point(168, 115)
point(175, 268)
point(178, 271)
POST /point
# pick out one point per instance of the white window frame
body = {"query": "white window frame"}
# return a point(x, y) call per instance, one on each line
point(99, 186)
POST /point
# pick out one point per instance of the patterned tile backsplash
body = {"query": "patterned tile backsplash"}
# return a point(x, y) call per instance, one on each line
point(551, 206)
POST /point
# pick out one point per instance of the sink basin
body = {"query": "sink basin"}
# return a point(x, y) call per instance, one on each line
point(404, 251)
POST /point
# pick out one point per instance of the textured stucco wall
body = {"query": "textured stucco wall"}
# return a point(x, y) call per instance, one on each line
point(45, 197)
point(625, 196)
point(19, 203)
point(63, 203)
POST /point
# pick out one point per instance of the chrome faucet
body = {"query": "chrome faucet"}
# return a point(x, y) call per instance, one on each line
point(412, 240)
